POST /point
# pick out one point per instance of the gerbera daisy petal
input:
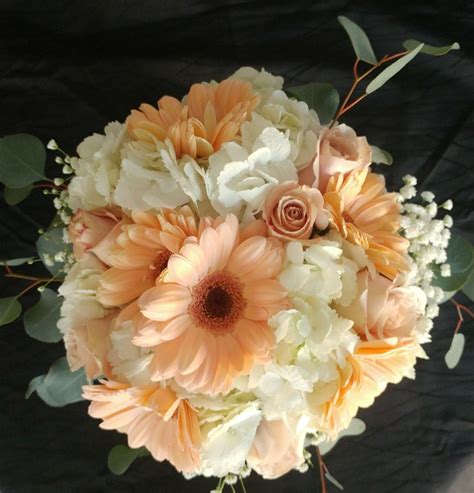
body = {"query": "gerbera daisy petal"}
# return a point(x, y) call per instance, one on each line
point(165, 301)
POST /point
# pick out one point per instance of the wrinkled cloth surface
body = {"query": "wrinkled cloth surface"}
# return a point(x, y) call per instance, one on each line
point(67, 68)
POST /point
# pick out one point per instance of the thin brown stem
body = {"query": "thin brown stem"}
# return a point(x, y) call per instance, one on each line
point(322, 470)
point(30, 278)
point(460, 308)
point(31, 286)
point(357, 79)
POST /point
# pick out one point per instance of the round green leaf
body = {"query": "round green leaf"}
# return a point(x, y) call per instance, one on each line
point(33, 385)
point(468, 288)
point(14, 196)
point(48, 245)
point(453, 356)
point(61, 386)
point(22, 160)
point(41, 319)
point(321, 97)
point(360, 42)
point(460, 259)
point(122, 457)
point(411, 44)
point(392, 70)
point(10, 309)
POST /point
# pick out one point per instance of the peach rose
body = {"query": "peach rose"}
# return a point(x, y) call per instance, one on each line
point(88, 344)
point(88, 228)
point(381, 309)
point(292, 211)
point(339, 150)
point(275, 450)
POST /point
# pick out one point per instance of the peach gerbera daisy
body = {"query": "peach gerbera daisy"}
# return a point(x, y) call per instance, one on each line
point(152, 417)
point(365, 214)
point(140, 252)
point(365, 376)
point(210, 115)
point(210, 309)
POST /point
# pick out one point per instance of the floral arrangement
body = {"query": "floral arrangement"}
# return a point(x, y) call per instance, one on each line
point(235, 280)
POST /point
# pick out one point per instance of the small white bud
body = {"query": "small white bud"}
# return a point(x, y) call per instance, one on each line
point(58, 181)
point(445, 270)
point(67, 170)
point(52, 145)
point(40, 289)
point(67, 159)
point(448, 205)
point(427, 196)
point(59, 160)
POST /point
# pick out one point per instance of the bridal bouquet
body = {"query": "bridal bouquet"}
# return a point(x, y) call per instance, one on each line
point(235, 280)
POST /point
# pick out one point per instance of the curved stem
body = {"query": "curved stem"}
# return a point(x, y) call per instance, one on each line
point(31, 286)
point(357, 80)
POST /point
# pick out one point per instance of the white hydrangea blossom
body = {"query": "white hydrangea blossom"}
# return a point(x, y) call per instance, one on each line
point(226, 443)
point(79, 290)
point(127, 360)
point(150, 177)
point(288, 115)
point(263, 82)
point(312, 339)
point(239, 179)
point(97, 168)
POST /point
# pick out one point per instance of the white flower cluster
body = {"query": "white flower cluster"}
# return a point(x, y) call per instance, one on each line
point(429, 238)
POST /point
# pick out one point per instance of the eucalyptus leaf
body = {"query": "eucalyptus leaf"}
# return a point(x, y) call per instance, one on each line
point(392, 70)
point(360, 42)
point(14, 196)
point(33, 385)
point(122, 457)
point(460, 259)
point(41, 319)
point(453, 356)
point(61, 386)
point(319, 96)
point(22, 160)
point(468, 288)
point(411, 44)
point(10, 310)
point(333, 480)
point(48, 245)
point(447, 295)
point(356, 427)
point(15, 262)
point(380, 156)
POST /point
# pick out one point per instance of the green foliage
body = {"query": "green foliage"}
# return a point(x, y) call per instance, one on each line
point(411, 44)
point(10, 309)
point(453, 356)
point(48, 245)
point(122, 457)
point(468, 288)
point(41, 319)
point(14, 196)
point(59, 386)
point(33, 385)
point(360, 42)
point(22, 160)
point(460, 259)
point(15, 262)
point(392, 70)
point(321, 97)
point(380, 156)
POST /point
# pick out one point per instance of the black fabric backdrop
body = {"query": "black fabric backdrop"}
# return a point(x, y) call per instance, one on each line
point(68, 67)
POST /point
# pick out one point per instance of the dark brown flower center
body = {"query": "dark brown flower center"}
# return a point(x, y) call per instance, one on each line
point(218, 303)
